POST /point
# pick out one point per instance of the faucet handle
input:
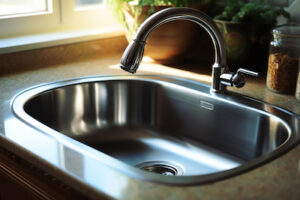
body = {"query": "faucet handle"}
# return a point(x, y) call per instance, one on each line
point(246, 71)
point(236, 79)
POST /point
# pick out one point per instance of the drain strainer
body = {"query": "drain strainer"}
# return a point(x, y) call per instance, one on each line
point(161, 167)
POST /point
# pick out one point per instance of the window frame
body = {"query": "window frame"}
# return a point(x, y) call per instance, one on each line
point(60, 17)
point(30, 23)
point(89, 16)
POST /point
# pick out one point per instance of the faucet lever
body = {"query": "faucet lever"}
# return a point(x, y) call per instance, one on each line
point(236, 79)
point(246, 71)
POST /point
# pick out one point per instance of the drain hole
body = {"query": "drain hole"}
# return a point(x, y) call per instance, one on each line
point(162, 168)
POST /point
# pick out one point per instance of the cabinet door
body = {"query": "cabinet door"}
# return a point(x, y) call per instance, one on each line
point(25, 182)
point(11, 190)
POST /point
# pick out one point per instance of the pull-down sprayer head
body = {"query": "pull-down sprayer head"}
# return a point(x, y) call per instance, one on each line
point(132, 56)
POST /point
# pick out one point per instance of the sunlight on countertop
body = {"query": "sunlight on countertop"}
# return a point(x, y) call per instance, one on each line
point(157, 68)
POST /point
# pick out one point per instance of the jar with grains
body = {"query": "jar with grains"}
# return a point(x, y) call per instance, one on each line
point(284, 58)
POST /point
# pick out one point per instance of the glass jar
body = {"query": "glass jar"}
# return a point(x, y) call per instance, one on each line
point(283, 59)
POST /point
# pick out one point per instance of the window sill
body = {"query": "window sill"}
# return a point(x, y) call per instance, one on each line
point(30, 42)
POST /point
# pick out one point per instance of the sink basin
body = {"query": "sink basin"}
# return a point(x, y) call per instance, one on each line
point(159, 128)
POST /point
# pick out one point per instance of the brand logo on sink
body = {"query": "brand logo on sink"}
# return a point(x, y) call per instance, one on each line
point(206, 105)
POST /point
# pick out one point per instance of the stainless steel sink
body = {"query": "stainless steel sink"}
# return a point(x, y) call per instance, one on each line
point(164, 129)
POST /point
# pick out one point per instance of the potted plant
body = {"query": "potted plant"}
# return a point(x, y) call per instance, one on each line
point(167, 42)
point(246, 27)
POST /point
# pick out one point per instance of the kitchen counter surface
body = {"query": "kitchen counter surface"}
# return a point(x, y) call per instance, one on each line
point(278, 179)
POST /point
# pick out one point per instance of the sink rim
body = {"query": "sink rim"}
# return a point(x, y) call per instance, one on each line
point(22, 97)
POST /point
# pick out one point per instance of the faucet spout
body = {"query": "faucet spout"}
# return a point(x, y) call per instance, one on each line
point(133, 54)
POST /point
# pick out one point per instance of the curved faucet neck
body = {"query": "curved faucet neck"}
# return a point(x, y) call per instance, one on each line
point(134, 52)
point(172, 14)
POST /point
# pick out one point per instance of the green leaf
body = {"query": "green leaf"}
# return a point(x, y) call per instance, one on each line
point(251, 11)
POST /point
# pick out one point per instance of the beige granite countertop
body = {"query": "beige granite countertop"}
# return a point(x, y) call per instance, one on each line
point(278, 179)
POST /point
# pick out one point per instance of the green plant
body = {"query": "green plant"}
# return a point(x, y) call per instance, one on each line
point(136, 10)
point(117, 5)
point(251, 11)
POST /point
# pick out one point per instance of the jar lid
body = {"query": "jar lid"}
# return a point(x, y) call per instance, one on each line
point(290, 30)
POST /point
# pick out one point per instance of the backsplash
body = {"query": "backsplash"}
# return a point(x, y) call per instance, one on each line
point(45, 57)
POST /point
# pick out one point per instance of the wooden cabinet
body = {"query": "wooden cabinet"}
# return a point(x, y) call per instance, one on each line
point(10, 189)
point(20, 180)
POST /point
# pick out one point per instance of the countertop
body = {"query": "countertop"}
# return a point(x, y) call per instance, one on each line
point(278, 179)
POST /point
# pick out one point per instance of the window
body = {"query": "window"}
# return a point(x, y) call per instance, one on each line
point(81, 4)
point(10, 8)
point(27, 17)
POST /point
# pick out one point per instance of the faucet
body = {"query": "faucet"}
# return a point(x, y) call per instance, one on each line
point(221, 78)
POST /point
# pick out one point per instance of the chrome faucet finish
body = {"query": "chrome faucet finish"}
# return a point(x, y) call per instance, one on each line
point(133, 54)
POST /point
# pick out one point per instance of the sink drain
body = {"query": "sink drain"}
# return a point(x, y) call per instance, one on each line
point(163, 168)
